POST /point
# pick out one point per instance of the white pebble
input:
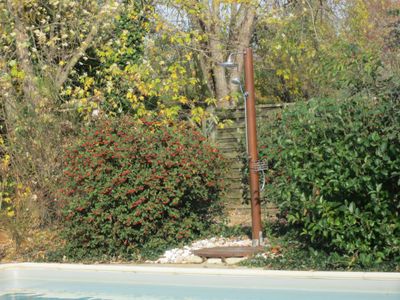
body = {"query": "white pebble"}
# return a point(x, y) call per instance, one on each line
point(179, 255)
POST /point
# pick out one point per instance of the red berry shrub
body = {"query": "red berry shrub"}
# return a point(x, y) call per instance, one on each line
point(132, 187)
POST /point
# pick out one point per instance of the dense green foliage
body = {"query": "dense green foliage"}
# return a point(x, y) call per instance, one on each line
point(287, 252)
point(335, 174)
point(133, 187)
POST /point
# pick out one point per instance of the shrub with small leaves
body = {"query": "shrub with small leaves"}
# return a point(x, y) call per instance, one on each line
point(138, 186)
point(335, 174)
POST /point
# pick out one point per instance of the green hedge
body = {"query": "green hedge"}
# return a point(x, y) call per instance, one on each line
point(335, 175)
point(135, 188)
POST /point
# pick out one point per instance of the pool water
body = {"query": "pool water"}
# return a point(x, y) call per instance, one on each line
point(35, 282)
point(186, 293)
point(24, 296)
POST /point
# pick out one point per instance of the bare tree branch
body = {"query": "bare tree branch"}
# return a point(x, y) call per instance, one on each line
point(22, 38)
point(64, 71)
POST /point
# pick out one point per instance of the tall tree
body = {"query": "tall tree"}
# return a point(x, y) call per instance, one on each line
point(41, 43)
point(47, 38)
point(217, 29)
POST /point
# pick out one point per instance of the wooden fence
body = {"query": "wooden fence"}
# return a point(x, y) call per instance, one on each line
point(231, 140)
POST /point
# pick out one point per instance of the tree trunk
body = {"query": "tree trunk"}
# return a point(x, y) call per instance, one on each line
point(219, 77)
point(240, 39)
point(241, 27)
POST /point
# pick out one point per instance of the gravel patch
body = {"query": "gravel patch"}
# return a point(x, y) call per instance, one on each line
point(185, 254)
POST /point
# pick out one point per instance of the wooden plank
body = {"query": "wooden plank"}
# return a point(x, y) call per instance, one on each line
point(235, 183)
point(225, 252)
point(234, 196)
point(231, 140)
point(232, 128)
point(231, 148)
point(233, 176)
point(245, 207)
point(237, 194)
point(263, 106)
point(237, 169)
point(235, 189)
point(233, 143)
point(234, 192)
point(230, 155)
point(241, 116)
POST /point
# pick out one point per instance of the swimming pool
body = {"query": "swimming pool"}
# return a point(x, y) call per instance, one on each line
point(67, 281)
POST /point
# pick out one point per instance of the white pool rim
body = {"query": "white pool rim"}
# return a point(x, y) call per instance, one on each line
point(206, 270)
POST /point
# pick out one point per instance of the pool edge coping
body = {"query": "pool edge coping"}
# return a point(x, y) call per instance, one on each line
point(202, 270)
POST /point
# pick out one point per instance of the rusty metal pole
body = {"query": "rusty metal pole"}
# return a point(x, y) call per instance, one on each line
point(252, 148)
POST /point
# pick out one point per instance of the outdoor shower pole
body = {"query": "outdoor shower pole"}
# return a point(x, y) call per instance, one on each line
point(252, 148)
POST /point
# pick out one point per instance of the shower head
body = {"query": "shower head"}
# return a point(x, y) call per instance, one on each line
point(236, 81)
point(229, 63)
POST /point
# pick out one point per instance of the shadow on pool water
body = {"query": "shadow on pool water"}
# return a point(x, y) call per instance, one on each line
point(25, 296)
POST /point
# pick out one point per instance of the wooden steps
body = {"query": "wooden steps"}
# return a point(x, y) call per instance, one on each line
point(231, 141)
